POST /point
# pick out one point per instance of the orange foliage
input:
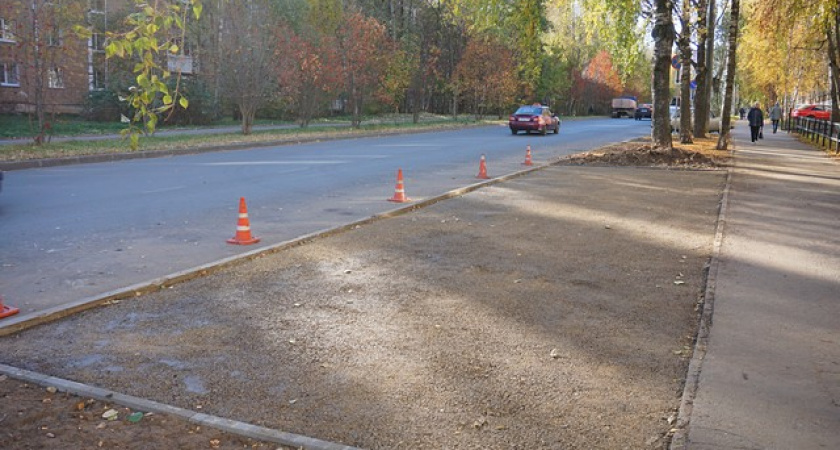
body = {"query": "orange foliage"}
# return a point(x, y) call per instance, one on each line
point(486, 75)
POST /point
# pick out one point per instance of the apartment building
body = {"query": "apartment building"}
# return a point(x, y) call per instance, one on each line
point(43, 60)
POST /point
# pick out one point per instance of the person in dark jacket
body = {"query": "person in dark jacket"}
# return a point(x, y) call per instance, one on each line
point(756, 119)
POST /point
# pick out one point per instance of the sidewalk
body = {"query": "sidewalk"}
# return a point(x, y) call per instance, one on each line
point(771, 375)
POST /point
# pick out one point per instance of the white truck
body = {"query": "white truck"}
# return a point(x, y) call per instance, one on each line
point(623, 106)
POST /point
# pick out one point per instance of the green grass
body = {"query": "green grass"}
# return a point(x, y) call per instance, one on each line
point(27, 151)
point(22, 126)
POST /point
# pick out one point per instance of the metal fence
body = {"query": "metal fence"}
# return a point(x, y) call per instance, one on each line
point(821, 132)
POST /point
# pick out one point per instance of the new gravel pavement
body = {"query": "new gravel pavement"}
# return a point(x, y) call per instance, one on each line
point(554, 310)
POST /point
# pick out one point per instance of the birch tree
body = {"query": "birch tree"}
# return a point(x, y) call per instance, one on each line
point(731, 64)
point(663, 37)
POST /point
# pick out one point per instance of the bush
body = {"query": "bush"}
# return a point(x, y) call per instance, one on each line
point(102, 106)
point(200, 110)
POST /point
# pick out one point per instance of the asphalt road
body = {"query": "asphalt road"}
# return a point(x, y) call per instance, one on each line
point(72, 232)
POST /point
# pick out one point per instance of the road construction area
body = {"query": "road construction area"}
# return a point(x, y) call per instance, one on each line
point(557, 309)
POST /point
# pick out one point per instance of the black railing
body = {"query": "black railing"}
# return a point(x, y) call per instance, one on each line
point(824, 133)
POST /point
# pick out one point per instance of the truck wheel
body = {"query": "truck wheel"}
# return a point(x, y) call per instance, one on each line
point(514, 132)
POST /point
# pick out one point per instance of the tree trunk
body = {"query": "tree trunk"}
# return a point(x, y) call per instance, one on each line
point(248, 112)
point(710, 55)
point(684, 45)
point(663, 35)
point(726, 113)
point(701, 94)
point(834, 62)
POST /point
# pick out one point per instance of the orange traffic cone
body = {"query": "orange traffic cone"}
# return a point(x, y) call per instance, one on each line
point(482, 169)
point(399, 191)
point(6, 310)
point(243, 227)
point(528, 161)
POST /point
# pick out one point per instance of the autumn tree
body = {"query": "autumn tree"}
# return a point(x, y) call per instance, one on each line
point(306, 70)
point(601, 83)
point(359, 43)
point(800, 39)
point(396, 77)
point(487, 75)
point(248, 56)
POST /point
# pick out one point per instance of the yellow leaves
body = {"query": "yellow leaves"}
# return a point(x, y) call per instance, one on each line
point(197, 9)
point(149, 31)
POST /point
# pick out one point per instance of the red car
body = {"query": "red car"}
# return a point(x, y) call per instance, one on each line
point(534, 118)
point(813, 112)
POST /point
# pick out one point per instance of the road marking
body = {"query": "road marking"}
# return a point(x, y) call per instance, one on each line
point(407, 145)
point(269, 163)
point(158, 191)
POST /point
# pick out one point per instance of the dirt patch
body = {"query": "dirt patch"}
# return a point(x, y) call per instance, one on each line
point(31, 417)
point(699, 155)
point(555, 310)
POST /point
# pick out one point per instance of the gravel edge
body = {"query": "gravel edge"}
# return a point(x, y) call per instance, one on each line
point(140, 404)
point(692, 380)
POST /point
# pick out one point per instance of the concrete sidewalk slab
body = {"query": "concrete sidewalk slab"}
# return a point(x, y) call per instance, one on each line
point(771, 375)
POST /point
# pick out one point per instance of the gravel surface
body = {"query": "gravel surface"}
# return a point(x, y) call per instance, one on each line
point(556, 310)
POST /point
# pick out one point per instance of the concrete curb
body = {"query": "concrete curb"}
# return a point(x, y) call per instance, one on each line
point(692, 379)
point(110, 157)
point(17, 323)
point(140, 404)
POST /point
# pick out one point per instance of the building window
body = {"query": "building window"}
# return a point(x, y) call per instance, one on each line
point(55, 78)
point(54, 36)
point(9, 75)
point(98, 72)
point(97, 42)
point(7, 30)
point(97, 5)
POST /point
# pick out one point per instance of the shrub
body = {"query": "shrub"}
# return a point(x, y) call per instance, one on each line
point(102, 106)
point(200, 110)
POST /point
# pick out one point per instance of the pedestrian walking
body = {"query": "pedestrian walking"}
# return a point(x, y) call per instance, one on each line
point(775, 116)
point(756, 120)
point(742, 112)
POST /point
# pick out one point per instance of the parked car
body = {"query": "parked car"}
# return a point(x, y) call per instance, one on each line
point(644, 111)
point(714, 123)
point(821, 112)
point(534, 118)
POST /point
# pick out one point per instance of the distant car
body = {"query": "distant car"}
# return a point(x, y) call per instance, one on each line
point(714, 123)
point(644, 111)
point(813, 112)
point(534, 118)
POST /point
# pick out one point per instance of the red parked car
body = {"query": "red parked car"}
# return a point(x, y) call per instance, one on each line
point(813, 112)
point(534, 118)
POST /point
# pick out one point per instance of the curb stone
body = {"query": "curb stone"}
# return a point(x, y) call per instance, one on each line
point(692, 380)
point(140, 404)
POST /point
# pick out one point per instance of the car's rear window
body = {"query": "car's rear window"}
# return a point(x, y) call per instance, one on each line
point(532, 110)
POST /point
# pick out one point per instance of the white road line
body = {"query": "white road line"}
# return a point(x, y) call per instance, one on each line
point(158, 191)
